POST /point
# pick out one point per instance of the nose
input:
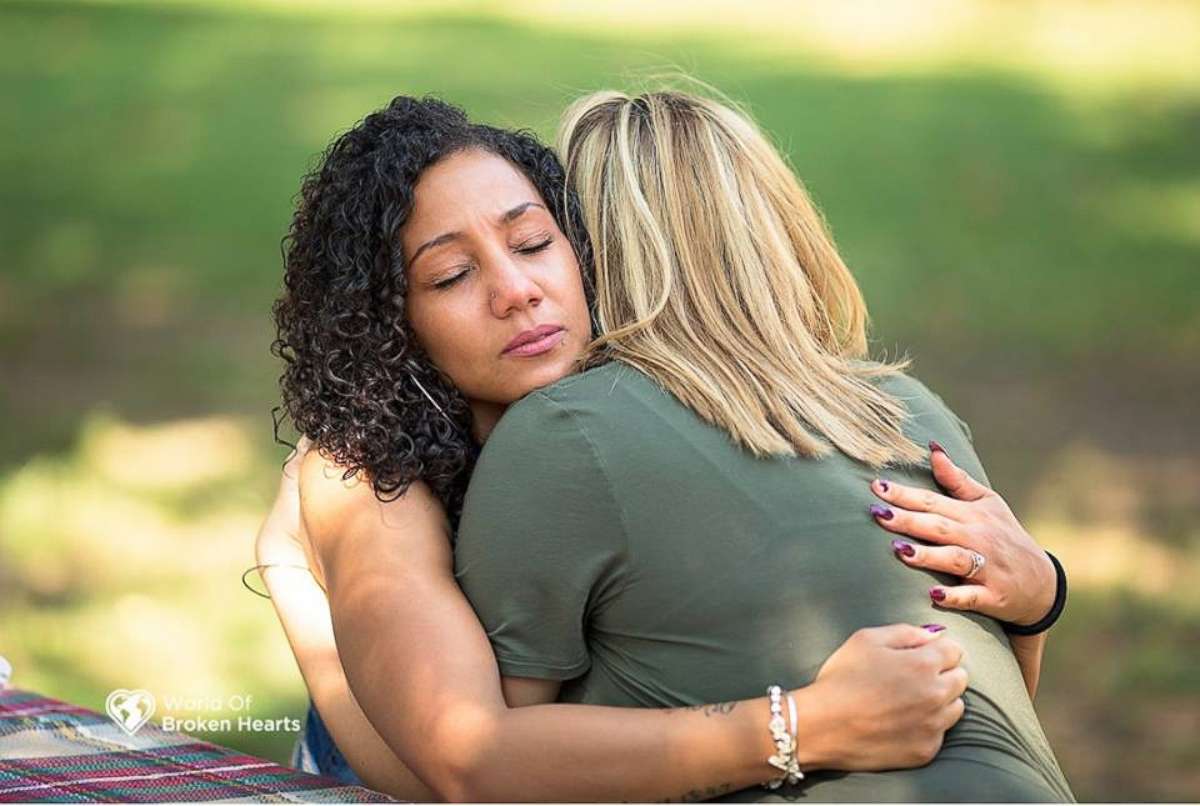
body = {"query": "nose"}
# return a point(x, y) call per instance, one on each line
point(512, 289)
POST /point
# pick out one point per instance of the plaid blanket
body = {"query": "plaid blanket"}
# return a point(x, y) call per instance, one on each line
point(53, 751)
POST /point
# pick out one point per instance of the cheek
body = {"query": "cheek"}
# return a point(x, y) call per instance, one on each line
point(578, 305)
point(568, 283)
point(437, 324)
point(450, 332)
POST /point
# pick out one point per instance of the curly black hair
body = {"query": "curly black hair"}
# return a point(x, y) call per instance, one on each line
point(352, 363)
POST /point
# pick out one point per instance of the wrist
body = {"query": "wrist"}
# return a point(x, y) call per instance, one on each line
point(815, 729)
point(1046, 621)
point(753, 735)
point(1043, 601)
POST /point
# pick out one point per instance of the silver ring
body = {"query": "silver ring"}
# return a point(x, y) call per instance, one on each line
point(978, 561)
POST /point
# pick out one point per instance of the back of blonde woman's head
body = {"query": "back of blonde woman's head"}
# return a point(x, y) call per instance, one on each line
point(716, 276)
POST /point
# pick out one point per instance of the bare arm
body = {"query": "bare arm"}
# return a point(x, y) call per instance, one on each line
point(420, 664)
point(303, 611)
point(1028, 650)
point(316, 655)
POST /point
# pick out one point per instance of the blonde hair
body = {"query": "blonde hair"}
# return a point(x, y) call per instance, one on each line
point(716, 276)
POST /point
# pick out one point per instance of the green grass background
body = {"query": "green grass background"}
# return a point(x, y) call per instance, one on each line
point(1027, 229)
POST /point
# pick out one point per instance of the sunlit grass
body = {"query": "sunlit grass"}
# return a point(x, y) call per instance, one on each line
point(1123, 499)
point(1086, 46)
point(126, 554)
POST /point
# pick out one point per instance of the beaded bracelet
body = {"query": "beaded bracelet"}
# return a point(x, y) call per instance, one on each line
point(784, 758)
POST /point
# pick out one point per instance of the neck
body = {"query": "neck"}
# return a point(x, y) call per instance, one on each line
point(484, 417)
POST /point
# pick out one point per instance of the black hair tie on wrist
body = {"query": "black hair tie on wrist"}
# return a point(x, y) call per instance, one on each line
point(1056, 609)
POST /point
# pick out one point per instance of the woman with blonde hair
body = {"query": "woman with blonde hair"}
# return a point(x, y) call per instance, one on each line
point(731, 423)
point(438, 271)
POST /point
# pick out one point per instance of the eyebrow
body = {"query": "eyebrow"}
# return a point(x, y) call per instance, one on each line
point(447, 237)
point(438, 241)
point(518, 211)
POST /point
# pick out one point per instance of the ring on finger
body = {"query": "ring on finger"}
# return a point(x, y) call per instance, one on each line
point(978, 561)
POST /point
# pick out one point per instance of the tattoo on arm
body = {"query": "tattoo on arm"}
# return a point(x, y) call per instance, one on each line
point(714, 709)
point(695, 795)
point(708, 793)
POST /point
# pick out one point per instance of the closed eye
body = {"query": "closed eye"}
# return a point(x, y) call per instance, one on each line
point(532, 248)
point(449, 281)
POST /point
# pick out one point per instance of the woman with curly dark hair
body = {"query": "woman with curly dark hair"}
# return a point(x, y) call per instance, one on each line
point(429, 283)
point(357, 380)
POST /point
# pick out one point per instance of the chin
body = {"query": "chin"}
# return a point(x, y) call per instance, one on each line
point(552, 372)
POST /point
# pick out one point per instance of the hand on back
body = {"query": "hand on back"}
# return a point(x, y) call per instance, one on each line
point(973, 534)
point(886, 696)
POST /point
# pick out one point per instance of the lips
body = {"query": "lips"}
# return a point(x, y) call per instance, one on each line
point(532, 342)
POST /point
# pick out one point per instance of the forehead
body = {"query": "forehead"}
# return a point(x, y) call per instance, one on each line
point(464, 185)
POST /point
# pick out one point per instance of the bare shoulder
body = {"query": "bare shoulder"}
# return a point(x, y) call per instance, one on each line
point(333, 505)
point(326, 493)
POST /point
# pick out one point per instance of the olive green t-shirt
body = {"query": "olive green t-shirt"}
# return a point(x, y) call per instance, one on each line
point(613, 540)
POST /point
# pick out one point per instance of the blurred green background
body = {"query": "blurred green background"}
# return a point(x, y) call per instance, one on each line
point(1016, 185)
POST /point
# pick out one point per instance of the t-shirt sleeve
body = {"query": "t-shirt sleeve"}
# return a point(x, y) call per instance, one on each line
point(541, 543)
point(948, 413)
point(933, 419)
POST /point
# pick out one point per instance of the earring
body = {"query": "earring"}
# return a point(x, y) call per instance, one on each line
point(429, 397)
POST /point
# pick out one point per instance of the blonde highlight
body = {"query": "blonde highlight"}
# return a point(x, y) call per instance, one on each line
point(716, 276)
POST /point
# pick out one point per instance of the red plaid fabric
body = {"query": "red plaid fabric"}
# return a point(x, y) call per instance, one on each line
point(56, 752)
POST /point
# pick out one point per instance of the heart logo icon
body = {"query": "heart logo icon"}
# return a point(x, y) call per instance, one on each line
point(130, 709)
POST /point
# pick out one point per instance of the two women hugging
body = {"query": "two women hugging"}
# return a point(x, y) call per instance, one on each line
point(594, 455)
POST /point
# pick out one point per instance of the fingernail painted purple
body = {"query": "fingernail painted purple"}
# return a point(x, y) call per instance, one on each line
point(882, 512)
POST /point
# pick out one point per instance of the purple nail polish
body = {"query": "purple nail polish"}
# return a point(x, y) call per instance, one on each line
point(933, 627)
point(882, 512)
point(900, 547)
point(934, 445)
point(937, 594)
point(883, 485)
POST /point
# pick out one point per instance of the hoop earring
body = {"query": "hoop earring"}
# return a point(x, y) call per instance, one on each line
point(429, 397)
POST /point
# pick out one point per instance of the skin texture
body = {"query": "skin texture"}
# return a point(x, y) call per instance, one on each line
point(504, 268)
point(410, 690)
